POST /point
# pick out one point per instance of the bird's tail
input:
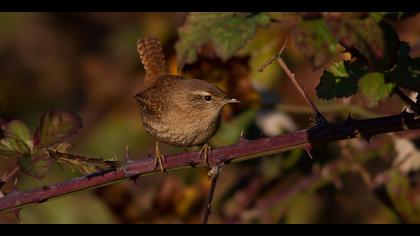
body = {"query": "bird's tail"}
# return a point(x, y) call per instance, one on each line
point(151, 55)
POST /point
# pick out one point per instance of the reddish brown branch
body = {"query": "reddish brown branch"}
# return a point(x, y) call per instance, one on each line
point(214, 175)
point(243, 150)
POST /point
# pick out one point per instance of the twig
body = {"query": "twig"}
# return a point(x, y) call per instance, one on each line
point(241, 151)
point(6, 177)
point(410, 103)
point(269, 62)
point(213, 174)
point(319, 117)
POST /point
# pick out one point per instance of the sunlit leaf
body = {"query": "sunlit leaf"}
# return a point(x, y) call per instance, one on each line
point(19, 131)
point(12, 147)
point(55, 127)
point(374, 87)
point(227, 31)
point(340, 80)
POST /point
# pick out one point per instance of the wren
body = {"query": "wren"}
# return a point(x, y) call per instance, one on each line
point(175, 110)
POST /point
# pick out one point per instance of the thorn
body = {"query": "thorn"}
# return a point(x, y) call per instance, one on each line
point(308, 149)
point(16, 213)
point(320, 119)
point(224, 160)
point(192, 163)
point(135, 178)
point(241, 138)
point(405, 113)
point(366, 137)
point(349, 119)
point(127, 156)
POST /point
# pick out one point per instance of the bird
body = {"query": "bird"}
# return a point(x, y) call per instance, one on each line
point(176, 110)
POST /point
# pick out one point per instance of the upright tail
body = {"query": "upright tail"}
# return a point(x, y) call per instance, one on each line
point(151, 55)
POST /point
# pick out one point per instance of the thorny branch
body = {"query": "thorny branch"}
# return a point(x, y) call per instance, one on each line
point(245, 149)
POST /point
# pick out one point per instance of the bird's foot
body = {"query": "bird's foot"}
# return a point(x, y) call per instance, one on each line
point(205, 150)
point(159, 159)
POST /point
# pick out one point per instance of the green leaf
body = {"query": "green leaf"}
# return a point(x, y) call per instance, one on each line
point(36, 165)
point(19, 131)
point(55, 127)
point(227, 31)
point(12, 147)
point(374, 87)
point(314, 39)
point(340, 80)
point(407, 71)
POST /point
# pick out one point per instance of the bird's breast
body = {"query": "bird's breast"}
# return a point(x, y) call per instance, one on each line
point(182, 129)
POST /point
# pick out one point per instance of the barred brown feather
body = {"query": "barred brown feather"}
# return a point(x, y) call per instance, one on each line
point(151, 55)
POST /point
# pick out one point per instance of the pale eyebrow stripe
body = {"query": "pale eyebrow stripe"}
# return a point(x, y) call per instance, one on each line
point(202, 93)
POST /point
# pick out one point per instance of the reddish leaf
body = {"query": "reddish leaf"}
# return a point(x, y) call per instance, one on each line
point(55, 127)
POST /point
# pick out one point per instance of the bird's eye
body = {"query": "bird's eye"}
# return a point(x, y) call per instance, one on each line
point(207, 98)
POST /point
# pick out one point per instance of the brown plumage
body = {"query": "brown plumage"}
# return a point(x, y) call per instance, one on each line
point(151, 55)
point(178, 111)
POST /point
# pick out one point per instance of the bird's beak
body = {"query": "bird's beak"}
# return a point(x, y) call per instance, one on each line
point(232, 100)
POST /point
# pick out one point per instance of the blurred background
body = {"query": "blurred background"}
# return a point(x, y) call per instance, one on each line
point(87, 63)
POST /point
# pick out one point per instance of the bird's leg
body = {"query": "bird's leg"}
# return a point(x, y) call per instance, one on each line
point(205, 150)
point(158, 158)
